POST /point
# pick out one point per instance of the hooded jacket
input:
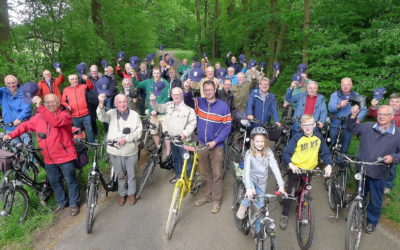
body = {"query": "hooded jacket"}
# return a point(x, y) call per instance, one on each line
point(55, 86)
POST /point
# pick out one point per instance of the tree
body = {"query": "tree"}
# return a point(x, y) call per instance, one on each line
point(4, 22)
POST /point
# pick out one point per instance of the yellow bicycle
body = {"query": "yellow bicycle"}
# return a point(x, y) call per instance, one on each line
point(184, 184)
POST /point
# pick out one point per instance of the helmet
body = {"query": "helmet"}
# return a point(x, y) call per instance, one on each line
point(258, 131)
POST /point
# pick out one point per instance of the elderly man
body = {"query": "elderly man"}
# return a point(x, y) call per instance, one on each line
point(125, 155)
point(209, 77)
point(339, 107)
point(214, 126)
point(241, 92)
point(14, 109)
point(57, 149)
point(74, 100)
point(49, 84)
point(181, 121)
point(184, 66)
point(377, 139)
point(262, 105)
point(225, 94)
point(309, 103)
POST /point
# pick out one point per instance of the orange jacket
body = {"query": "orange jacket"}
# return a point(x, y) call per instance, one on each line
point(55, 83)
point(74, 98)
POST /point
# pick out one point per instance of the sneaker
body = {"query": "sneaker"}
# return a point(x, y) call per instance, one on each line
point(173, 180)
point(283, 222)
point(216, 207)
point(75, 211)
point(386, 190)
point(370, 228)
point(241, 213)
point(201, 202)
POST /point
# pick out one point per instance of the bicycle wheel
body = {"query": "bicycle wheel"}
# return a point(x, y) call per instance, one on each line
point(354, 226)
point(260, 244)
point(278, 149)
point(144, 177)
point(336, 190)
point(14, 203)
point(239, 191)
point(305, 226)
point(173, 212)
point(91, 205)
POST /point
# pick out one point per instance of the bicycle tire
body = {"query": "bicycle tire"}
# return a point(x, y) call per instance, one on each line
point(260, 244)
point(91, 205)
point(145, 176)
point(14, 203)
point(238, 194)
point(335, 191)
point(173, 212)
point(302, 226)
point(354, 226)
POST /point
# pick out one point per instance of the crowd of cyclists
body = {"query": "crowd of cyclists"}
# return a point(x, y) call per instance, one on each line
point(199, 101)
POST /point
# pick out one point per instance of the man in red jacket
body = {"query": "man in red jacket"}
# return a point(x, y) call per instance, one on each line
point(74, 100)
point(50, 85)
point(57, 148)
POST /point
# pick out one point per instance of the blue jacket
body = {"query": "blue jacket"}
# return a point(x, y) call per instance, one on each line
point(13, 107)
point(320, 111)
point(374, 144)
point(262, 109)
point(213, 121)
point(345, 111)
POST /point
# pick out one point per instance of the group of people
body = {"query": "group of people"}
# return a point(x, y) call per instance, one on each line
point(203, 97)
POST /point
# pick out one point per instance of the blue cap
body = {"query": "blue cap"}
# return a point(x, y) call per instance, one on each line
point(121, 55)
point(242, 58)
point(263, 64)
point(195, 59)
point(378, 93)
point(252, 63)
point(170, 61)
point(134, 61)
point(57, 65)
point(297, 77)
point(151, 56)
point(302, 68)
point(158, 87)
point(81, 69)
point(104, 63)
point(161, 47)
point(29, 90)
point(196, 74)
point(277, 66)
point(103, 85)
point(221, 73)
point(197, 65)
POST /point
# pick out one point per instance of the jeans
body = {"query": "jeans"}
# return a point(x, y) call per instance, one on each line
point(177, 161)
point(84, 121)
point(389, 182)
point(259, 203)
point(55, 172)
point(375, 187)
point(345, 141)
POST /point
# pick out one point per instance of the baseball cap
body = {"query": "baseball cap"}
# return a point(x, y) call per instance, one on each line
point(29, 90)
point(252, 63)
point(196, 74)
point(103, 86)
point(134, 61)
point(151, 56)
point(221, 73)
point(302, 68)
point(297, 77)
point(158, 87)
point(57, 65)
point(121, 55)
point(378, 93)
point(104, 63)
point(242, 58)
point(263, 64)
point(161, 47)
point(81, 69)
point(277, 66)
point(170, 61)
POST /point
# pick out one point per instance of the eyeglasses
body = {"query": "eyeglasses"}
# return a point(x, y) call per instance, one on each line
point(310, 125)
point(384, 114)
point(9, 83)
point(50, 102)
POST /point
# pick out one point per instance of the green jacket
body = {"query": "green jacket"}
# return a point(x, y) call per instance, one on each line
point(148, 86)
point(182, 68)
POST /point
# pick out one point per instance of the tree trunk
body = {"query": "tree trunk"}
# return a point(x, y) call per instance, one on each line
point(205, 35)
point(271, 38)
point(96, 18)
point(199, 47)
point(306, 28)
point(230, 8)
point(281, 37)
point(247, 36)
point(4, 22)
point(214, 52)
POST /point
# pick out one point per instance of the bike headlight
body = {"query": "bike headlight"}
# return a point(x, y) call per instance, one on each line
point(308, 187)
point(247, 139)
point(357, 176)
point(93, 173)
point(271, 226)
point(186, 156)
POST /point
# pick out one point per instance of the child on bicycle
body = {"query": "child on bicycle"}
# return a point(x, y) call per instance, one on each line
point(258, 160)
point(303, 152)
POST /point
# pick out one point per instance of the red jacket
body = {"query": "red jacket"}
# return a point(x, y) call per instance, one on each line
point(124, 75)
point(55, 83)
point(58, 147)
point(74, 98)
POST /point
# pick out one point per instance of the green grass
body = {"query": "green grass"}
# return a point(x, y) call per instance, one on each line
point(184, 54)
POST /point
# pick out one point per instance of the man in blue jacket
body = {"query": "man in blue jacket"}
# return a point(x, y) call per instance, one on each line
point(262, 105)
point(308, 103)
point(14, 108)
point(213, 126)
point(377, 139)
point(339, 107)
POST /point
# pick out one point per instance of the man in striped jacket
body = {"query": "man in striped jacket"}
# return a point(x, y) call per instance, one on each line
point(213, 127)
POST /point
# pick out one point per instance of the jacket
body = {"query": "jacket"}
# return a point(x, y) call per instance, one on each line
point(262, 108)
point(75, 99)
point(123, 74)
point(116, 127)
point(320, 111)
point(13, 106)
point(180, 119)
point(256, 170)
point(55, 86)
point(144, 75)
point(236, 65)
point(374, 144)
point(148, 86)
point(345, 111)
point(213, 121)
point(58, 147)
point(227, 98)
point(241, 94)
point(182, 68)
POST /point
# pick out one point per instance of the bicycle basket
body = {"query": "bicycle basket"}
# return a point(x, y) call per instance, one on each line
point(6, 159)
point(83, 154)
point(274, 133)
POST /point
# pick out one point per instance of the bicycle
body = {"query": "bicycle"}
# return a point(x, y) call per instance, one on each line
point(184, 185)
point(355, 217)
point(283, 140)
point(14, 199)
point(305, 224)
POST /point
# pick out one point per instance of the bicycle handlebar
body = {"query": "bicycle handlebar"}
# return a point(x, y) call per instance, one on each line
point(379, 161)
point(177, 141)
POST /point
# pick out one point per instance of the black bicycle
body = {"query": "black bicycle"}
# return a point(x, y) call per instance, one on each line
point(282, 141)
